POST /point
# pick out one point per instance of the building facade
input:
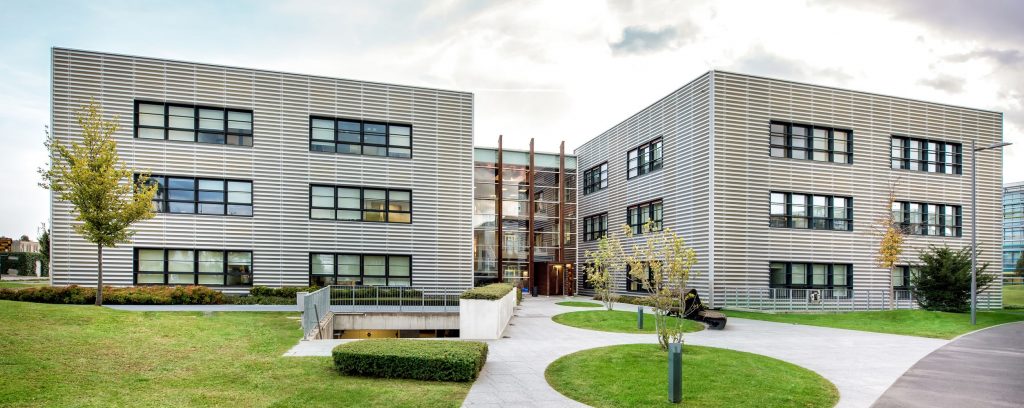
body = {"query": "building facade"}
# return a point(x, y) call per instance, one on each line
point(1013, 225)
point(277, 179)
point(524, 213)
point(778, 184)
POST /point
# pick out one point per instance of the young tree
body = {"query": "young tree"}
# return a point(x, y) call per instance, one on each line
point(890, 246)
point(44, 244)
point(943, 280)
point(663, 264)
point(100, 186)
point(1018, 269)
point(600, 263)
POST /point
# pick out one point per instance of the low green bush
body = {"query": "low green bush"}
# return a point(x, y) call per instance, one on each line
point(259, 300)
point(430, 360)
point(142, 295)
point(493, 291)
point(24, 262)
point(283, 292)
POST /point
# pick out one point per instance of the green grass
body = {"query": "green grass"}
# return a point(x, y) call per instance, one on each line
point(85, 356)
point(579, 304)
point(634, 375)
point(920, 323)
point(22, 284)
point(616, 321)
point(1013, 297)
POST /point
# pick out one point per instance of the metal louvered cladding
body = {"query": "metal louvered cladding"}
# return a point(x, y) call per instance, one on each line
point(280, 233)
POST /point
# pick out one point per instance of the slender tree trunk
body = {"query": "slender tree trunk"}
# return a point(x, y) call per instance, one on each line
point(99, 277)
point(892, 291)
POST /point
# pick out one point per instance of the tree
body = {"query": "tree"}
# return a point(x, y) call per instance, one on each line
point(943, 279)
point(890, 246)
point(663, 264)
point(100, 186)
point(44, 244)
point(24, 238)
point(608, 257)
point(1018, 269)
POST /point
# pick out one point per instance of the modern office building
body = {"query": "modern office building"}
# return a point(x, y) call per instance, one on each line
point(277, 179)
point(1013, 225)
point(524, 213)
point(778, 184)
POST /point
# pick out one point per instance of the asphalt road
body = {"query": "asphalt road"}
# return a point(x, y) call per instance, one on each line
point(982, 369)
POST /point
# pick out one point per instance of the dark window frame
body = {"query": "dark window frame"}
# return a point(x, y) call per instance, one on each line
point(649, 206)
point(646, 162)
point(922, 227)
point(595, 227)
point(226, 131)
point(195, 266)
point(830, 219)
point(809, 277)
point(905, 159)
point(639, 283)
point(163, 201)
point(362, 144)
point(362, 204)
point(362, 267)
point(787, 147)
point(595, 178)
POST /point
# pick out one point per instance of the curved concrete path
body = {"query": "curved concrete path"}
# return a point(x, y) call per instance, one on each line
point(980, 369)
point(862, 365)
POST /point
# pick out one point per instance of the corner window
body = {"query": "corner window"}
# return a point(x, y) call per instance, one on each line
point(190, 123)
point(360, 137)
point(191, 195)
point(595, 179)
point(360, 269)
point(154, 266)
point(809, 142)
point(360, 204)
point(644, 159)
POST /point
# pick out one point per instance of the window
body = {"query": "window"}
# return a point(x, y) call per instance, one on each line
point(808, 142)
point(638, 215)
point(360, 204)
point(190, 195)
point(926, 155)
point(355, 269)
point(595, 179)
point(806, 275)
point(190, 123)
point(822, 212)
point(928, 219)
point(644, 159)
point(595, 227)
point(901, 277)
point(637, 285)
point(360, 137)
point(155, 266)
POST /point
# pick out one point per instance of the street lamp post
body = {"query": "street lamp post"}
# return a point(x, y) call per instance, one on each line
point(974, 223)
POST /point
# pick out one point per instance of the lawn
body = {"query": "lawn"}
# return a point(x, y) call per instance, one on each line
point(1013, 297)
point(579, 304)
point(62, 355)
point(921, 323)
point(616, 321)
point(635, 375)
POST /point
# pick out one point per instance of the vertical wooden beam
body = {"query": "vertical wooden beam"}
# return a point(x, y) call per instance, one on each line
point(498, 193)
point(530, 226)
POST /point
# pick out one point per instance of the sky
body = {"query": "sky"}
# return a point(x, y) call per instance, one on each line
point(552, 70)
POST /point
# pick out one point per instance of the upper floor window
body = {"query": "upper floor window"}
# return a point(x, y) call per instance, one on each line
point(595, 179)
point(824, 212)
point(360, 204)
point(157, 266)
point(926, 155)
point(807, 142)
point(359, 137)
point(644, 159)
point(928, 219)
point(190, 123)
point(807, 275)
point(360, 269)
point(595, 227)
point(192, 195)
point(638, 215)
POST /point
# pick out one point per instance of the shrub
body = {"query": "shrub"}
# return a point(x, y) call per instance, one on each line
point(493, 291)
point(285, 292)
point(943, 281)
point(259, 300)
point(431, 360)
point(24, 262)
point(142, 295)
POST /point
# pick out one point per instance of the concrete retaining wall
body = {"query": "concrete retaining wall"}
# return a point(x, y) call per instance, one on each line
point(485, 319)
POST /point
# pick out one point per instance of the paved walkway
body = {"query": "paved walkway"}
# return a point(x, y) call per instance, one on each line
point(981, 369)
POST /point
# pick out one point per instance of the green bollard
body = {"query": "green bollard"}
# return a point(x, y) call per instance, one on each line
point(639, 317)
point(675, 372)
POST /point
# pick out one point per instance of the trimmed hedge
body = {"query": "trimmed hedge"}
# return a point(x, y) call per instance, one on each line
point(429, 360)
point(24, 262)
point(285, 292)
point(142, 295)
point(493, 291)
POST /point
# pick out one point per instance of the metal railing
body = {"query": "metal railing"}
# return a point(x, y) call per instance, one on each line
point(315, 307)
point(815, 300)
point(393, 299)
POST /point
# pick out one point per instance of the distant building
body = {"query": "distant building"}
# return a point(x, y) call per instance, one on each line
point(1013, 225)
point(24, 246)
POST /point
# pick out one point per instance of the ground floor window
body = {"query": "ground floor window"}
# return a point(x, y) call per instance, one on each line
point(360, 269)
point(636, 285)
point(832, 279)
point(163, 266)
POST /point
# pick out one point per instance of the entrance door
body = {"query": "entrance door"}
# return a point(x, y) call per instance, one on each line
point(550, 278)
